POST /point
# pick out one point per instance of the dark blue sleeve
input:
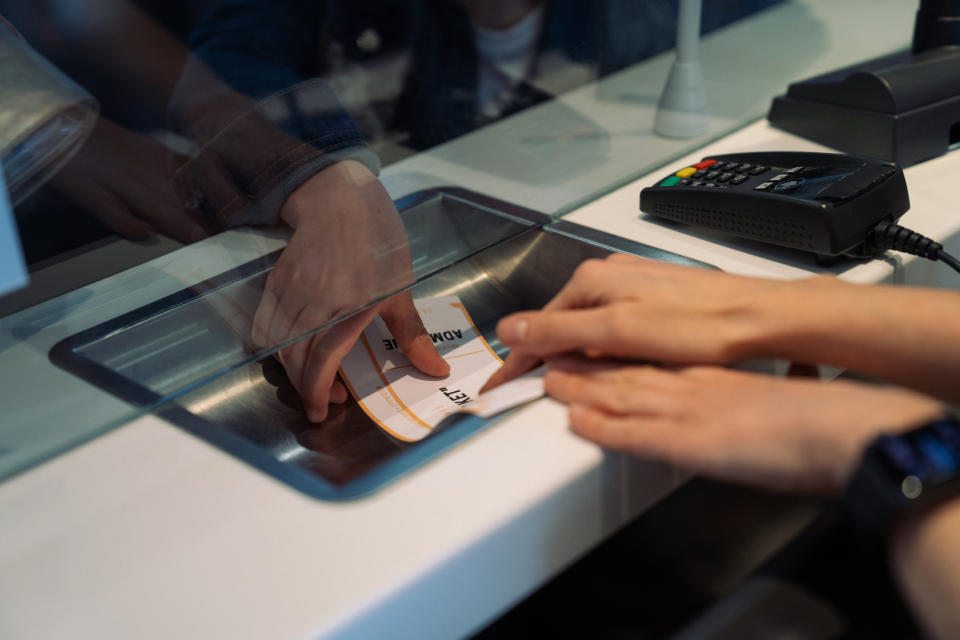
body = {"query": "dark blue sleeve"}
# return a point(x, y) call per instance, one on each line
point(294, 126)
point(260, 47)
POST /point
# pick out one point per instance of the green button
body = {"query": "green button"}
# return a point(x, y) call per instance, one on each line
point(669, 182)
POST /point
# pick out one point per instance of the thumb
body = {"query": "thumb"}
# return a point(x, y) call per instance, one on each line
point(407, 328)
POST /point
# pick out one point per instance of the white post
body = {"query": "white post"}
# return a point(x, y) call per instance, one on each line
point(682, 110)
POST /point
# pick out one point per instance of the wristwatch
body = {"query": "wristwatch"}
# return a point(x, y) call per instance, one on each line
point(903, 474)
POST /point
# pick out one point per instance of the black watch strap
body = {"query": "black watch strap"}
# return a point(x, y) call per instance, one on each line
point(901, 474)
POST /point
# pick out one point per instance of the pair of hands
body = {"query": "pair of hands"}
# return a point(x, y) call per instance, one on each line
point(791, 434)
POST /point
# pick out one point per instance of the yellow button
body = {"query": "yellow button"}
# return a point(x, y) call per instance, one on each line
point(685, 173)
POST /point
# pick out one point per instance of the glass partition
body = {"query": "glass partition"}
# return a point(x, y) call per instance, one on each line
point(268, 176)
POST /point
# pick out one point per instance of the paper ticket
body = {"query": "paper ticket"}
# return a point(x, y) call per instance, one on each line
point(407, 403)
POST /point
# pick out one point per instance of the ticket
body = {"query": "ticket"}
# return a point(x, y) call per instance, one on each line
point(408, 404)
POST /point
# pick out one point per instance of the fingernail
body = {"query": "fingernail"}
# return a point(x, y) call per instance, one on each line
point(514, 330)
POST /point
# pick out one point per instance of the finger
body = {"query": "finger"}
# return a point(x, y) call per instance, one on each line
point(548, 332)
point(323, 360)
point(291, 322)
point(161, 209)
point(583, 364)
point(263, 317)
point(647, 437)
point(294, 358)
point(338, 393)
point(628, 259)
point(618, 372)
point(112, 212)
point(404, 323)
point(586, 288)
point(514, 366)
point(616, 393)
point(207, 176)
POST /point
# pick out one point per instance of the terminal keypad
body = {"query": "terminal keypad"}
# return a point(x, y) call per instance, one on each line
point(722, 174)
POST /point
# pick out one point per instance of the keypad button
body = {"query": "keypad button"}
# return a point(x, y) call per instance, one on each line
point(793, 170)
point(710, 184)
point(743, 168)
point(671, 181)
point(757, 170)
point(779, 177)
point(703, 164)
point(739, 178)
point(685, 173)
point(723, 177)
point(764, 186)
point(696, 183)
point(711, 175)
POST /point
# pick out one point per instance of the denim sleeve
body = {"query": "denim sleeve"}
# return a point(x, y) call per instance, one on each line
point(268, 50)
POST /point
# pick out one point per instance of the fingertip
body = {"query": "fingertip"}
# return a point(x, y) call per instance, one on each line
point(578, 416)
point(553, 382)
point(492, 382)
point(316, 414)
point(438, 367)
point(338, 393)
point(499, 377)
point(427, 359)
point(513, 330)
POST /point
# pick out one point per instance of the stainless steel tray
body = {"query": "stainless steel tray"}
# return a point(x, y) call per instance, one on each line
point(180, 357)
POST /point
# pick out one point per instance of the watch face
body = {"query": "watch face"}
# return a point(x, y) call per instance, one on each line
point(925, 457)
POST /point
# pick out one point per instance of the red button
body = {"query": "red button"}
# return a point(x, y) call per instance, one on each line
point(703, 164)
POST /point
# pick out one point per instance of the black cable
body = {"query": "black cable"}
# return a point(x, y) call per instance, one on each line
point(889, 235)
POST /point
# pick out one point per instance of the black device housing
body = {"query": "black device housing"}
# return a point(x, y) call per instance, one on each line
point(831, 222)
point(904, 107)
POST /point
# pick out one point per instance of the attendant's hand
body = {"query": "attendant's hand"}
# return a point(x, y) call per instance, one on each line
point(122, 178)
point(781, 433)
point(348, 248)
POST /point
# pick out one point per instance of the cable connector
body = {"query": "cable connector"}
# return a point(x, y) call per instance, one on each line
point(889, 235)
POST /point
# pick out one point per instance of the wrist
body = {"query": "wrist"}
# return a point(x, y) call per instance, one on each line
point(776, 319)
point(904, 477)
point(331, 181)
point(798, 320)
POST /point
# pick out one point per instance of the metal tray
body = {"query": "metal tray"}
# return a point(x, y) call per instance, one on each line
point(181, 358)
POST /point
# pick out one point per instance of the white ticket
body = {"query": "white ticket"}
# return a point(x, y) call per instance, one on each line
point(408, 404)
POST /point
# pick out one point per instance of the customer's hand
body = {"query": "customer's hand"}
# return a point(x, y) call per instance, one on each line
point(781, 433)
point(348, 248)
point(628, 307)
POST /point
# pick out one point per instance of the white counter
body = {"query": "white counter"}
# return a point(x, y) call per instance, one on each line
point(147, 532)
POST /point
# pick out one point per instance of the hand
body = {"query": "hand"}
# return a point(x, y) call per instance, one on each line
point(629, 307)
point(122, 178)
point(348, 248)
point(782, 433)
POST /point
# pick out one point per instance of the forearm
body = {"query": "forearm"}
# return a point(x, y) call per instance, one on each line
point(903, 335)
point(925, 557)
